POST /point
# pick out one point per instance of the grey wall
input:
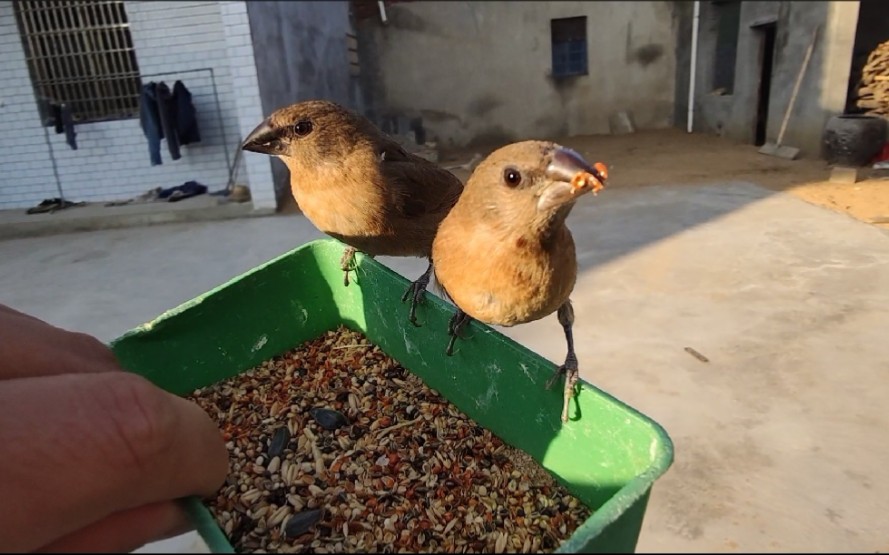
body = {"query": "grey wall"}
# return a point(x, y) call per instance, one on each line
point(824, 87)
point(301, 53)
point(479, 71)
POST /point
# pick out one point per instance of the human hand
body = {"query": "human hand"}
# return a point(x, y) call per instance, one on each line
point(92, 458)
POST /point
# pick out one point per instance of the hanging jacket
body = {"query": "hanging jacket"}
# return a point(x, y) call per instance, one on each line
point(166, 110)
point(186, 117)
point(63, 120)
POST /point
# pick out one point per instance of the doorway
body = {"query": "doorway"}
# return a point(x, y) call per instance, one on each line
point(767, 33)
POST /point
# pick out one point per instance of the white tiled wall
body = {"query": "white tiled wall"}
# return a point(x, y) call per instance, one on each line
point(112, 160)
point(249, 105)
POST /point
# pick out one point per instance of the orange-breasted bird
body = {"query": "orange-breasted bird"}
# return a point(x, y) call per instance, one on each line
point(358, 185)
point(504, 254)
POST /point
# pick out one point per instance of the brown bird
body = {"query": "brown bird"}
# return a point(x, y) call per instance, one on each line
point(358, 185)
point(504, 255)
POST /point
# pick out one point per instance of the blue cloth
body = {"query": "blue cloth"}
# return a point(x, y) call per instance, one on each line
point(186, 190)
point(166, 111)
point(150, 122)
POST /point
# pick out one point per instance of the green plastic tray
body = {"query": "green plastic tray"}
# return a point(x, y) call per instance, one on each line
point(608, 455)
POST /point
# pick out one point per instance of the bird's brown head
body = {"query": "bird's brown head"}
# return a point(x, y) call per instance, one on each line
point(532, 182)
point(306, 133)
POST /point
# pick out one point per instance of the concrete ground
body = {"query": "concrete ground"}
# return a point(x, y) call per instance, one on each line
point(780, 439)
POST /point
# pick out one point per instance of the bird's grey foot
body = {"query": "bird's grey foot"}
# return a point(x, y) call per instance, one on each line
point(457, 323)
point(416, 291)
point(569, 369)
point(347, 264)
point(571, 372)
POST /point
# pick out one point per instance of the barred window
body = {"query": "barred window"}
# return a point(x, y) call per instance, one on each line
point(81, 53)
point(569, 46)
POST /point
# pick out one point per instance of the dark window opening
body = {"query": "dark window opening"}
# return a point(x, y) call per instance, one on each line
point(569, 46)
point(767, 34)
point(728, 20)
point(865, 79)
point(81, 53)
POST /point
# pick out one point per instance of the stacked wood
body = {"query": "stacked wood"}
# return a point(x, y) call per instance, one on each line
point(872, 95)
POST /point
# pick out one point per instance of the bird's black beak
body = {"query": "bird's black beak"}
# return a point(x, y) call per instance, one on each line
point(566, 164)
point(265, 139)
point(567, 171)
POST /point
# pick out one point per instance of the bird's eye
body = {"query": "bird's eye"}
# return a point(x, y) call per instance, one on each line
point(512, 177)
point(303, 128)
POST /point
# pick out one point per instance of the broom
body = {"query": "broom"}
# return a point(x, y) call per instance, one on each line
point(778, 149)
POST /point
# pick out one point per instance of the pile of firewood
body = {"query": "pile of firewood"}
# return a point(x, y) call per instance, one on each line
point(873, 87)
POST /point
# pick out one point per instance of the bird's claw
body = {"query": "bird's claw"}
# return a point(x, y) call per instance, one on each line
point(416, 290)
point(450, 350)
point(458, 321)
point(570, 370)
point(347, 264)
point(452, 331)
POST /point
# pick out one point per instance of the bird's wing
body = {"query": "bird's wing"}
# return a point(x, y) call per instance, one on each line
point(419, 186)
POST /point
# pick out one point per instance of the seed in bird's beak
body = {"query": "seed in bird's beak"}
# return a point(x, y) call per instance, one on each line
point(568, 165)
point(593, 180)
point(570, 176)
point(603, 171)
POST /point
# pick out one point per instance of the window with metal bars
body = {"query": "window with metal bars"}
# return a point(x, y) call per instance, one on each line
point(569, 46)
point(80, 53)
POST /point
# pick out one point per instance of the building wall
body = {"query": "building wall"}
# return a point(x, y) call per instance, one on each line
point(112, 160)
point(822, 91)
point(245, 80)
point(479, 71)
point(301, 54)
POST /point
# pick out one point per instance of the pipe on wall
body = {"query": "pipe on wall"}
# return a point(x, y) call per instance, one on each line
point(693, 63)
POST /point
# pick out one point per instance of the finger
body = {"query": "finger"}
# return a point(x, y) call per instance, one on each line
point(125, 531)
point(30, 347)
point(81, 447)
point(11, 311)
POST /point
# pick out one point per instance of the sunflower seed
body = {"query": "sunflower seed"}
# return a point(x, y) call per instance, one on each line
point(279, 441)
point(329, 419)
point(300, 523)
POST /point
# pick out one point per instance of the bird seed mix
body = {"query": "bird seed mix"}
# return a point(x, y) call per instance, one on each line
point(335, 447)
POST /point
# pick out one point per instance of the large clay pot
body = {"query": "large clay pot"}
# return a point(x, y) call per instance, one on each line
point(853, 140)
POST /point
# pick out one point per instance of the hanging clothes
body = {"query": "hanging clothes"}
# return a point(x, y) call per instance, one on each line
point(167, 115)
point(150, 121)
point(186, 116)
point(63, 122)
point(166, 109)
point(68, 125)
